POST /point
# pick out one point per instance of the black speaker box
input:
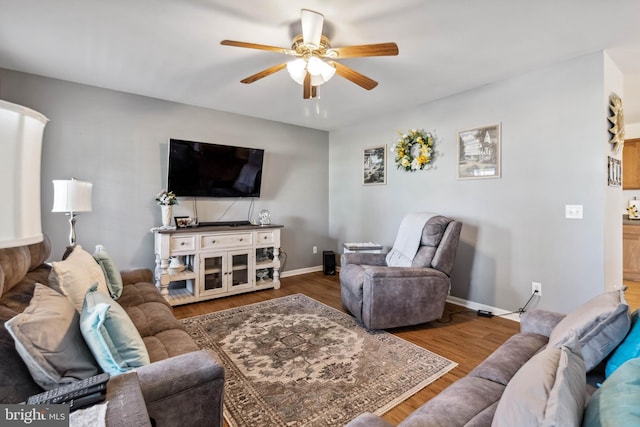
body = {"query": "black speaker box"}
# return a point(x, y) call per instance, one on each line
point(329, 262)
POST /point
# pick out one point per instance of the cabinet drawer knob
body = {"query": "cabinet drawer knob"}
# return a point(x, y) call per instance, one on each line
point(241, 239)
point(213, 241)
point(182, 243)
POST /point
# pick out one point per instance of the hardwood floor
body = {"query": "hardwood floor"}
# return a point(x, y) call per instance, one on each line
point(460, 335)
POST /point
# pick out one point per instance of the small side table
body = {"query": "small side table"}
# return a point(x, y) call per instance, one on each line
point(366, 247)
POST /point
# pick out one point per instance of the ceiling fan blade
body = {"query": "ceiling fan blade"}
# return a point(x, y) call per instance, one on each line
point(354, 76)
point(379, 49)
point(258, 46)
point(264, 73)
point(306, 87)
point(311, 26)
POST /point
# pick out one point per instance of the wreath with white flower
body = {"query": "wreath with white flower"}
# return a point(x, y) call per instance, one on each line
point(414, 150)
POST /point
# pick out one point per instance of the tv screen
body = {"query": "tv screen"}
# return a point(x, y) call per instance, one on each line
point(199, 169)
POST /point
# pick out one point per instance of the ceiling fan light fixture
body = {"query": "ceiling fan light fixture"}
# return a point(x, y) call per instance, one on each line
point(297, 70)
point(321, 72)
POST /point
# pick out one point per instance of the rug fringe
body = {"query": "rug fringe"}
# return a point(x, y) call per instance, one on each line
point(395, 402)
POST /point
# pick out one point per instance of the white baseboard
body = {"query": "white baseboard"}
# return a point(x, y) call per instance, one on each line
point(476, 306)
point(301, 271)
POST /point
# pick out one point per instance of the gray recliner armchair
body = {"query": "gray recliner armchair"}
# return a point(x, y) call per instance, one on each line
point(383, 297)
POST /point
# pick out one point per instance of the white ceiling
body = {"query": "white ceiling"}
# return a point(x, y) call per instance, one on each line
point(170, 49)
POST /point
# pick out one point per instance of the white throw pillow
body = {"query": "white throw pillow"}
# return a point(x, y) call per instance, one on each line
point(75, 275)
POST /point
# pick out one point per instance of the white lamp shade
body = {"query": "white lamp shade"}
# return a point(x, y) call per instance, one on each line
point(21, 132)
point(71, 196)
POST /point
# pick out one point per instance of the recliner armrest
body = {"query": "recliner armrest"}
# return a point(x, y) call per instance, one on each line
point(363, 258)
point(539, 321)
point(184, 390)
point(402, 272)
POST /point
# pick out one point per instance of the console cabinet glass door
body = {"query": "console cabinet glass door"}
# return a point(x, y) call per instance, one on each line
point(212, 274)
point(240, 271)
point(226, 272)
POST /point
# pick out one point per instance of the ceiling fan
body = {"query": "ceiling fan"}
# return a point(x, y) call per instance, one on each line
point(315, 61)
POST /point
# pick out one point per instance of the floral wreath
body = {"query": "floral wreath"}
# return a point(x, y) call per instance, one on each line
point(414, 150)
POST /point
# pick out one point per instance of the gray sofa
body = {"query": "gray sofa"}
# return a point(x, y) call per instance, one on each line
point(181, 386)
point(544, 375)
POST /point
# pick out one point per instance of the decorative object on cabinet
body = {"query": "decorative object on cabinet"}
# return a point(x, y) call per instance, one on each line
point(72, 197)
point(633, 208)
point(479, 152)
point(264, 217)
point(615, 172)
point(182, 221)
point(176, 264)
point(414, 150)
point(21, 132)
point(374, 165)
point(219, 261)
point(166, 199)
point(616, 118)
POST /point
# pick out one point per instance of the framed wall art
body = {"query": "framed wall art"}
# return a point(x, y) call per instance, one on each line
point(479, 152)
point(374, 165)
point(615, 172)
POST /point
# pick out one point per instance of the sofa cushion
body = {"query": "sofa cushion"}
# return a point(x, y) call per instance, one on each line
point(628, 349)
point(110, 334)
point(600, 324)
point(163, 335)
point(111, 272)
point(548, 390)
point(616, 402)
point(456, 405)
point(503, 363)
point(75, 275)
point(47, 337)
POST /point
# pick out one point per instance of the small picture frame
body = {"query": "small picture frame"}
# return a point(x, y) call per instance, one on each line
point(374, 165)
point(182, 221)
point(479, 152)
point(615, 172)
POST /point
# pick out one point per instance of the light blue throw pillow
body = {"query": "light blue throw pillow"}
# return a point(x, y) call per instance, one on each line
point(615, 404)
point(111, 335)
point(629, 349)
point(111, 273)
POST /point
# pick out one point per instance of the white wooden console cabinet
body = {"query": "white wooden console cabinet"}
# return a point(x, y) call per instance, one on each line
point(218, 261)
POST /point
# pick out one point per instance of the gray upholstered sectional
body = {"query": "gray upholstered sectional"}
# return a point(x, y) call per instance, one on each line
point(181, 386)
point(544, 375)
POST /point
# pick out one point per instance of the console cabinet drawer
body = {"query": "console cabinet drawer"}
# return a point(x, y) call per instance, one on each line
point(182, 243)
point(215, 241)
point(264, 237)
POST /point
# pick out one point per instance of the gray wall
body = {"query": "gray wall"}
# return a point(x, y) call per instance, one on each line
point(118, 142)
point(554, 152)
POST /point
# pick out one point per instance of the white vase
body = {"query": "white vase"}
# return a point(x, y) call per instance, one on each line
point(166, 215)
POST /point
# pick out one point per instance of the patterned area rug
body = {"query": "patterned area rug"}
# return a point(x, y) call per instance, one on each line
point(294, 361)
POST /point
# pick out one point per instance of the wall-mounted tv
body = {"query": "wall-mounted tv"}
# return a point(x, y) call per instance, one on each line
point(200, 169)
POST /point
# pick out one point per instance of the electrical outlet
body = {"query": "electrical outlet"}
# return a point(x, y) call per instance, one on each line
point(536, 288)
point(315, 249)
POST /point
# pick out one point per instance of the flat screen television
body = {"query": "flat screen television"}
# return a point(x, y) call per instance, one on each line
point(200, 169)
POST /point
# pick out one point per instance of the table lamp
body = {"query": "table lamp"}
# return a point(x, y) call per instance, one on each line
point(72, 197)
